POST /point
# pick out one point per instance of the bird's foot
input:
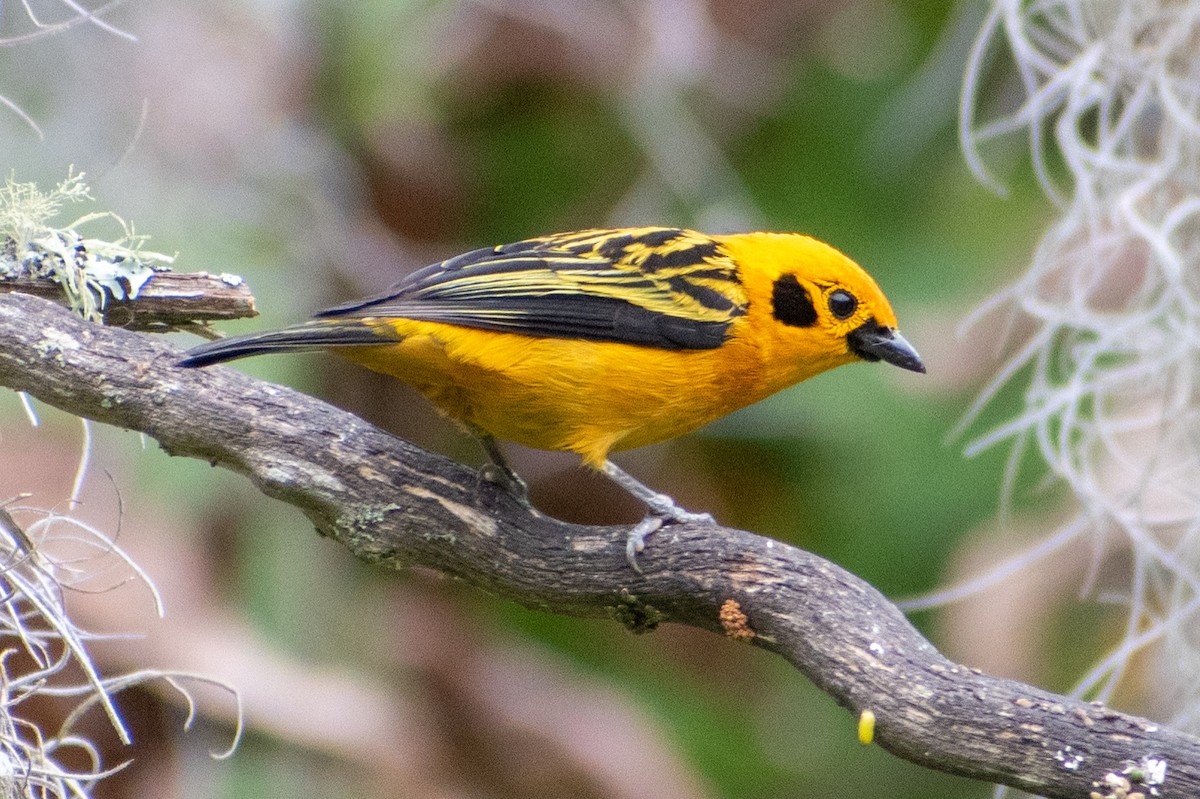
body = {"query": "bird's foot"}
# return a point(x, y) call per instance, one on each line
point(500, 475)
point(662, 509)
point(497, 471)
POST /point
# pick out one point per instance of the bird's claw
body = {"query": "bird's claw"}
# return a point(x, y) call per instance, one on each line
point(662, 510)
point(636, 542)
point(507, 479)
point(666, 509)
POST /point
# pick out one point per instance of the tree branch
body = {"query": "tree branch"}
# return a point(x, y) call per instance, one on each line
point(393, 504)
point(166, 301)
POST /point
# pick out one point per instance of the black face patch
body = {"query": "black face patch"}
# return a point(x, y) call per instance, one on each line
point(791, 304)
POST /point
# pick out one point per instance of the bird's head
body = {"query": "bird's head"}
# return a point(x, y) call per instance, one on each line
point(816, 305)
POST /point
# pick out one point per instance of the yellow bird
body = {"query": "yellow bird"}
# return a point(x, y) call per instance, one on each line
point(603, 340)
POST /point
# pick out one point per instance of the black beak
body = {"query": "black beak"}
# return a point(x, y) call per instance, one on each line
point(871, 342)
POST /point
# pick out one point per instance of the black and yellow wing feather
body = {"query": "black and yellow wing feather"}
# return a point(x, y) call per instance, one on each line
point(659, 287)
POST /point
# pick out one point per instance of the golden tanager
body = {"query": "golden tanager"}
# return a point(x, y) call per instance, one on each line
point(603, 340)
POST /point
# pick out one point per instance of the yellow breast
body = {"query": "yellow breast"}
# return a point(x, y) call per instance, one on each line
point(582, 396)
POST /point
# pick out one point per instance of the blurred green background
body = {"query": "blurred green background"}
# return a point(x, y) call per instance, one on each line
point(323, 149)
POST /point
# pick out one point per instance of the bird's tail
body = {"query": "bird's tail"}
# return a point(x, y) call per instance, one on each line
point(302, 338)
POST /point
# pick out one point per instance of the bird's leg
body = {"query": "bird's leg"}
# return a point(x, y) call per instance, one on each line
point(498, 470)
point(662, 509)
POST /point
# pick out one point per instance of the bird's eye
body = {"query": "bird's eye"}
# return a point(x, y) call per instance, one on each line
point(842, 304)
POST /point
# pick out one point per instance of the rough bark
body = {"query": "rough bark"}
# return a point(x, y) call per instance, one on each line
point(395, 505)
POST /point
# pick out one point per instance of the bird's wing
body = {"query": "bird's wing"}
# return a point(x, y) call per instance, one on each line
point(660, 287)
